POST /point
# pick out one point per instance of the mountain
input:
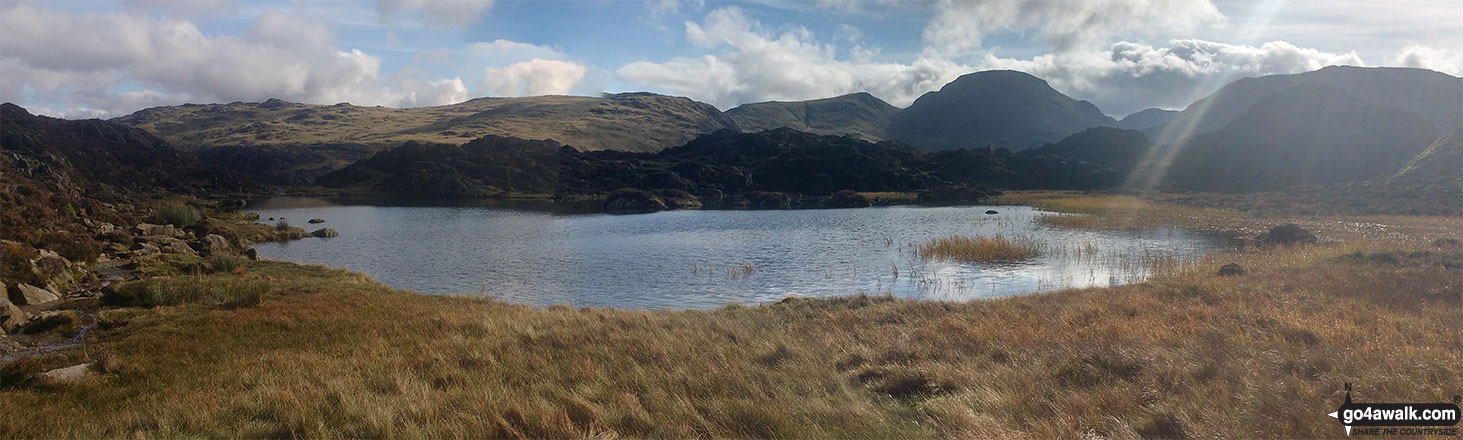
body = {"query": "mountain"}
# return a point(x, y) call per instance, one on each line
point(859, 114)
point(287, 143)
point(1431, 96)
point(1001, 108)
point(1309, 133)
point(1147, 118)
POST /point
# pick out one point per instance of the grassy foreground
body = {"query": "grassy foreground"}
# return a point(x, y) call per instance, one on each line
point(328, 353)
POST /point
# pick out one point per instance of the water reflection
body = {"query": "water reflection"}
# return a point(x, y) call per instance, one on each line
point(707, 259)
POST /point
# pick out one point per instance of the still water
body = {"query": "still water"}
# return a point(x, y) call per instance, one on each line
point(707, 259)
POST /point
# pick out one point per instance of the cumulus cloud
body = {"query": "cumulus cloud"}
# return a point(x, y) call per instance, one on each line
point(534, 77)
point(1128, 77)
point(961, 25)
point(114, 63)
point(448, 13)
point(1439, 59)
point(755, 64)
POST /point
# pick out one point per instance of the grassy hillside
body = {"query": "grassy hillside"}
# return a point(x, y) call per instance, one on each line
point(627, 122)
point(291, 144)
point(858, 114)
point(328, 353)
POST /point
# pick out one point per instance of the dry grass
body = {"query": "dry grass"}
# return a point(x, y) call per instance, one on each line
point(891, 197)
point(997, 249)
point(329, 353)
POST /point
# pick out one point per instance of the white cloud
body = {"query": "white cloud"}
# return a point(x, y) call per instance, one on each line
point(1131, 76)
point(960, 26)
point(447, 13)
point(1440, 59)
point(661, 8)
point(533, 78)
point(754, 64)
point(116, 63)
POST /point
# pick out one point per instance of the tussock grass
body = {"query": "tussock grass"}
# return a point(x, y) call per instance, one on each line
point(178, 214)
point(995, 249)
point(225, 263)
point(222, 291)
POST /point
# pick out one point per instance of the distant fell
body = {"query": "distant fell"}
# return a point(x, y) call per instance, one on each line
point(859, 114)
point(1147, 118)
point(1000, 108)
point(1309, 133)
point(627, 121)
point(1432, 96)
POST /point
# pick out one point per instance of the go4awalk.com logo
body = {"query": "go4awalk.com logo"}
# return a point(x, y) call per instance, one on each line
point(1411, 419)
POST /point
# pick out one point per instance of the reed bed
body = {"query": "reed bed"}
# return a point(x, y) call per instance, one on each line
point(997, 249)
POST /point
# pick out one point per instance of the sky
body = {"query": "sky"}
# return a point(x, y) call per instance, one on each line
point(108, 58)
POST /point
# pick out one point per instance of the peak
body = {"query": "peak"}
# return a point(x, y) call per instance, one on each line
point(1010, 75)
point(11, 109)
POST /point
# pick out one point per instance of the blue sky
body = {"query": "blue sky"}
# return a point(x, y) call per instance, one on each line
point(107, 58)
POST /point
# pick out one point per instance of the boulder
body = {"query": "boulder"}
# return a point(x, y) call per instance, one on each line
point(70, 374)
point(1289, 233)
point(630, 200)
point(251, 254)
point(325, 233)
point(214, 244)
point(317, 221)
point(158, 230)
point(29, 295)
point(10, 315)
point(1231, 269)
point(140, 248)
point(99, 228)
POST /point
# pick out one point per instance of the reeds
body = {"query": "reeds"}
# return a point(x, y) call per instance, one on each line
point(968, 249)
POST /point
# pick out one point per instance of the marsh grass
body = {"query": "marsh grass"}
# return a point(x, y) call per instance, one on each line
point(996, 249)
point(219, 291)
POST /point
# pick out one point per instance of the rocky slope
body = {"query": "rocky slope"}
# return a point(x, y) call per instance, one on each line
point(74, 193)
point(859, 114)
point(1001, 108)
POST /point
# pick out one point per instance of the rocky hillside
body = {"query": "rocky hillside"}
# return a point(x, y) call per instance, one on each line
point(1429, 95)
point(770, 169)
point(69, 187)
point(859, 114)
point(1000, 108)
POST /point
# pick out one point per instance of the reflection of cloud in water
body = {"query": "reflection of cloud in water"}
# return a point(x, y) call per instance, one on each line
point(706, 259)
